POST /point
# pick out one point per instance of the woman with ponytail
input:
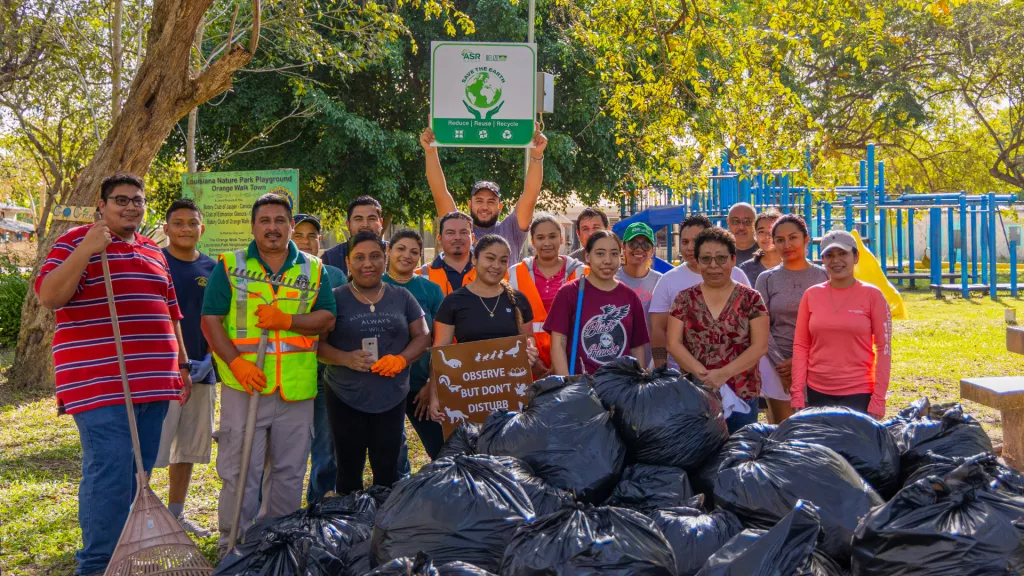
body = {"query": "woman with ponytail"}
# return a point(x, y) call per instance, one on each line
point(488, 307)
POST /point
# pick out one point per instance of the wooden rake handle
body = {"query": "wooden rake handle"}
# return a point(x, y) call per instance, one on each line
point(132, 426)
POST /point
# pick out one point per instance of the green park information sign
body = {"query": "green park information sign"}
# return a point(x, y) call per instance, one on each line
point(483, 94)
point(226, 199)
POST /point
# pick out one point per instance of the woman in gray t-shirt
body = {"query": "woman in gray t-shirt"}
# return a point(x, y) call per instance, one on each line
point(782, 287)
point(366, 402)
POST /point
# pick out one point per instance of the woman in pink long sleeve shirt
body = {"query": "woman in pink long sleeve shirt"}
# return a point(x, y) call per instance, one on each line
point(842, 348)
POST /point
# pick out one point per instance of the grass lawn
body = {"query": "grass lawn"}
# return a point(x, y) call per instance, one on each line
point(40, 455)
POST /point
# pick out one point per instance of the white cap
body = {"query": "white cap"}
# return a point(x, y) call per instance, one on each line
point(838, 239)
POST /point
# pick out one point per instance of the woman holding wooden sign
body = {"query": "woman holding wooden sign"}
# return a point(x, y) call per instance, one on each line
point(486, 308)
point(598, 317)
point(378, 333)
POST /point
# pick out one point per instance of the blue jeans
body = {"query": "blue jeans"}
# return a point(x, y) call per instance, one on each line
point(737, 420)
point(108, 485)
point(323, 468)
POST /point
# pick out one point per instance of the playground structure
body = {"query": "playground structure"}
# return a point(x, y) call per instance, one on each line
point(966, 262)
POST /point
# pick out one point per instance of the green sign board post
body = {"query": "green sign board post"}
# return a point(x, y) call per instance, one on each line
point(226, 199)
point(483, 94)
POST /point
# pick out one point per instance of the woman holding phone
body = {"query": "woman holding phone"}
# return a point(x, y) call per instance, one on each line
point(612, 319)
point(486, 308)
point(379, 331)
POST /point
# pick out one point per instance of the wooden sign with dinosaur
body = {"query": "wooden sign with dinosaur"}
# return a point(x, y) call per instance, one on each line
point(476, 378)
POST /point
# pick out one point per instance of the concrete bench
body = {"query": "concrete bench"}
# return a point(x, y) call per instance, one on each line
point(1015, 339)
point(1006, 394)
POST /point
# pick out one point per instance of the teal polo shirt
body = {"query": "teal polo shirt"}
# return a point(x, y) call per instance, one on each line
point(217, 301)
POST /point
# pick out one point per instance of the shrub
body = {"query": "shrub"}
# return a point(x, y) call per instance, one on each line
point(13, 288)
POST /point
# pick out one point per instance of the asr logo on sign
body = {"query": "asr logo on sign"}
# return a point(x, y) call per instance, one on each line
point(467, 55)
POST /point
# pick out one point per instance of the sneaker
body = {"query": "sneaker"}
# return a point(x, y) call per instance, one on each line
point(193, 528)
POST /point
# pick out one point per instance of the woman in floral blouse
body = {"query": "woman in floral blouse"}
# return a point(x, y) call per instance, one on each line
point(718, 329)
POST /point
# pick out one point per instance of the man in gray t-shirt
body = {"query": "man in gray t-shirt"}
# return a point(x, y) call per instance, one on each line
point(485, 202)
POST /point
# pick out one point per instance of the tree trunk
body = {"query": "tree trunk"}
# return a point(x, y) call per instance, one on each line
point(162, 92)
point(115, 61)
point(193, 114)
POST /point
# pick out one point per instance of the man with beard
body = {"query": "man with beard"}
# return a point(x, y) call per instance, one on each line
point(485, 203)
point(364, 214)
point(234, 314)
point(452, 268)
point(71, 281)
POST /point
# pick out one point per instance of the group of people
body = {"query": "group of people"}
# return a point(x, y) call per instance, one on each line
point(347, 332)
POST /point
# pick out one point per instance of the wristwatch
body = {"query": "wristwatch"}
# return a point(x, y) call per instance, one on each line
point(187, 365)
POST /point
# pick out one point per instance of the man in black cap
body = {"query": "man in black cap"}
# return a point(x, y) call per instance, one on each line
point(485, 197)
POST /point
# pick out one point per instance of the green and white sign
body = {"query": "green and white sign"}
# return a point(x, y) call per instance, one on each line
point(226, 199)
point(483, 94)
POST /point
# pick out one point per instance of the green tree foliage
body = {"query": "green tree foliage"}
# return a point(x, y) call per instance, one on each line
point(353, 130)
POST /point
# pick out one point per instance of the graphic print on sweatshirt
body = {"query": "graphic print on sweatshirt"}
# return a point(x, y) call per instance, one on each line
point(604, 336)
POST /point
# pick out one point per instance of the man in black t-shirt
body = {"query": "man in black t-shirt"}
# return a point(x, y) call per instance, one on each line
point(364, 214)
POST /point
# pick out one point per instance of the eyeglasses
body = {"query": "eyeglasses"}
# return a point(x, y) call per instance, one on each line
point(706, 261)
point(138, 201)
point(639, 245)
point(743, 221)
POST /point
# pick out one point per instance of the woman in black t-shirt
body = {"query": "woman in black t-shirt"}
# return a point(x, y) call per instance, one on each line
point(486, 308)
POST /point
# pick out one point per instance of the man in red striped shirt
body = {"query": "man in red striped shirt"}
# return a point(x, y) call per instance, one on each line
point(85, 360)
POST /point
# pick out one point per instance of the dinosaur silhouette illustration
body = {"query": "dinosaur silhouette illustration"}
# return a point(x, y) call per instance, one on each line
point(513, 351)
point(453, 363)
point(454, 415)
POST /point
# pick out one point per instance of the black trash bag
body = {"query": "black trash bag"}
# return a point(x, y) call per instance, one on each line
point(991, 472)
point(564, 434)
point(337, 523)
point(662, 417)
point(422, 565)
point(945, 430)
point(694, 535)
point(785, 549)
point(862, 440)
point(646, 487)
point(951, 525)
point(280, 552)
point(359, 559)
point(586, 540)
point(545, 497)
point(380, 494)
point(742, 441)
point(764, 485)
point(464, 508)
point(462, 441)
point(819, 564)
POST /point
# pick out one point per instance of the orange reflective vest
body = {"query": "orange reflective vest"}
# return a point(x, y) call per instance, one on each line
point(522, 278)
point(440, 277)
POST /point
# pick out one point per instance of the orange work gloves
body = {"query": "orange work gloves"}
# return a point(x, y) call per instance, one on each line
point(389, 365)
point(271, 318)
point(248, 375)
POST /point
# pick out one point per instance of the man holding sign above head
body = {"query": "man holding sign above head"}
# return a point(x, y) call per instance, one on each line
point(485, 198)
point(235, 311)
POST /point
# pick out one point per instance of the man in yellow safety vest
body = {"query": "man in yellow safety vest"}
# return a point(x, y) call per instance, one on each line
point(235, 311)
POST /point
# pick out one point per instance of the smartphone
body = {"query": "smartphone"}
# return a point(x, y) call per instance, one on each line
point(370, 345)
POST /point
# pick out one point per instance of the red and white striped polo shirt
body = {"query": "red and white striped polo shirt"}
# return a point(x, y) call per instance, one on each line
point(85, 359)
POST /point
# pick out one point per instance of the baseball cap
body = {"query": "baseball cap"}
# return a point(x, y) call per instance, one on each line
point(838, 239)
point(638, 229)
point(486, 185)
point(300, 218)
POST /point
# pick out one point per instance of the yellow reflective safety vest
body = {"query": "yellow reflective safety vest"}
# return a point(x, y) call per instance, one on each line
point(290, 362)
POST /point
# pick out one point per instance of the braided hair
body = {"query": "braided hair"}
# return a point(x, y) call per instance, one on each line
point(485, 243)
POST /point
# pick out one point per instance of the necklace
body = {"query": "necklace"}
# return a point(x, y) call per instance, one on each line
point(401, 279)
point(379, 292)
point(490, 310)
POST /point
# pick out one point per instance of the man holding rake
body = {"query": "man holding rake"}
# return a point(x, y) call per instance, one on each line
point(237, 307)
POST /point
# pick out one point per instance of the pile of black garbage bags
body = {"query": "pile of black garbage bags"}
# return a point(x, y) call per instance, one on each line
point(632, 472)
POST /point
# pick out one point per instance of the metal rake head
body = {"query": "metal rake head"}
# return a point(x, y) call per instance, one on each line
point(302, 283)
